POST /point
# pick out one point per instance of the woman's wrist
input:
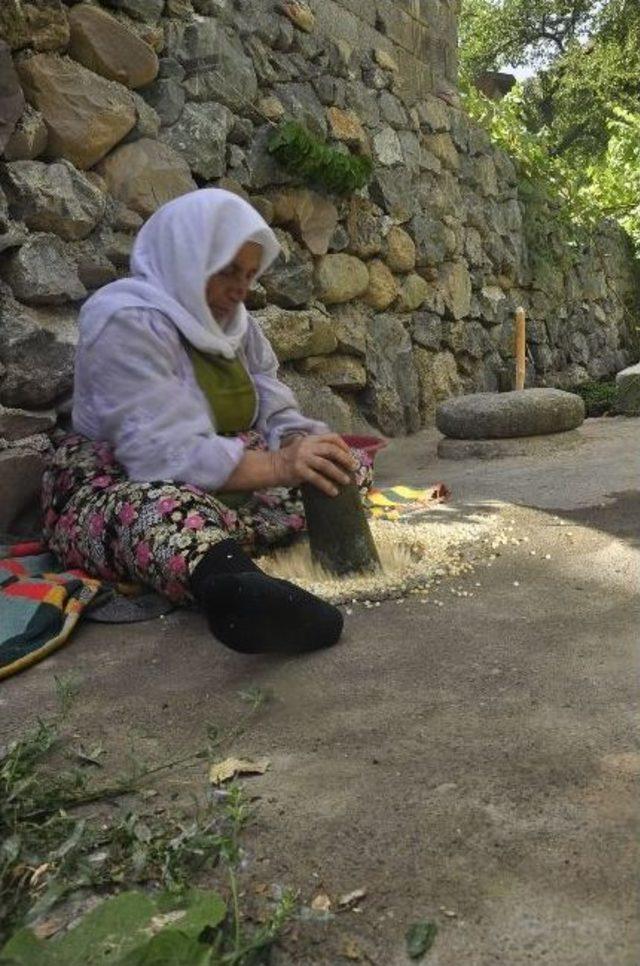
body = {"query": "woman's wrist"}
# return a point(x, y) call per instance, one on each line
point(290, 438)
point(257, 471)
point(277, 468)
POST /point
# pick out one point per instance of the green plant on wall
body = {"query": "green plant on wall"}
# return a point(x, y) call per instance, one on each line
point(553, 193)
point(317, 163)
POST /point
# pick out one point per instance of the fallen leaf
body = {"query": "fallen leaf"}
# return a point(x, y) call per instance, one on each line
point(47, 927)
point(38, 873)
point(225, 770)
point(88, 758)
point(351, 898)
point(321, 903)
point(351, 950)
point(420, 938)
point(166, 919)
point(300, 14)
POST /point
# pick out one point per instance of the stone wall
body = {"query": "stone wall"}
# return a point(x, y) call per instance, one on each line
point(382, 303)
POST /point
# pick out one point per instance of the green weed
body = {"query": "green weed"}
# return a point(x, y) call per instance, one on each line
point(55, 847)
point(600, 398)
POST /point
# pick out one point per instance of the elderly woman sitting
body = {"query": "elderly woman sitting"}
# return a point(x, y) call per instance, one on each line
point(188, 450)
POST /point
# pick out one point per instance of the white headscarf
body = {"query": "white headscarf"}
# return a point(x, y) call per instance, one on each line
point(176, 251)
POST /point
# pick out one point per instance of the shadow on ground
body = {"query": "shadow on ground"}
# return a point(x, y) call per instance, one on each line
point(472, 759)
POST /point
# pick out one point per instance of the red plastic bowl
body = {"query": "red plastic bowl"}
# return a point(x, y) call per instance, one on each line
point(369, 444)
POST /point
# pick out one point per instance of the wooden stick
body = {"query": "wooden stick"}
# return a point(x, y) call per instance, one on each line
point(521, 342)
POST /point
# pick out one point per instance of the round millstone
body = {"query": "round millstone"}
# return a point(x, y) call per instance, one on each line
point(495, 449)
point(527, 412)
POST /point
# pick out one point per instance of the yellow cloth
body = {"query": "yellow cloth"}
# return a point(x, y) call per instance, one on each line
point(398, 501)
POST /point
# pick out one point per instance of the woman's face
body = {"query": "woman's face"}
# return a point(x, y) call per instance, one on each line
point(228, 288)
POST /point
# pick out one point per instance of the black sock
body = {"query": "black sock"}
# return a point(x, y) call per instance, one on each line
point(251, 612)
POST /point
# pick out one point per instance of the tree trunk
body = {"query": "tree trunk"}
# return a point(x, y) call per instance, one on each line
point(339, 533)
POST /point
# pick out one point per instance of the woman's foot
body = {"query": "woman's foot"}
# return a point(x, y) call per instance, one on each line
point(251, 612)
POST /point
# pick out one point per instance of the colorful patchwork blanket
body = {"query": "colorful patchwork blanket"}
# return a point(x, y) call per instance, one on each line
point(39, 604)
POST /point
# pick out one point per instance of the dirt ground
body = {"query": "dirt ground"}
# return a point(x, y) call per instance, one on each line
point(473, 761)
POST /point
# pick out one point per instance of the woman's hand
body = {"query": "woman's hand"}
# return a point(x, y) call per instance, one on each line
point(323, 461)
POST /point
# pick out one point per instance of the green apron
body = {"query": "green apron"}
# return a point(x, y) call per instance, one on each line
point(232, 399)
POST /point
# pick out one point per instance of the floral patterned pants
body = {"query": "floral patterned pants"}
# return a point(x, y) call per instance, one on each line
point(97, 520)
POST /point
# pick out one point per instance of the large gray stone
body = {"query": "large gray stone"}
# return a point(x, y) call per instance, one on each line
point(148, 11)
point(392, 111)
point(200, 137)
point(364, 225)
point(38, 367)
point(391, 399)
point(393, 190)
point(104, 45)
point(302, 104)
point(216, 66)
point(387, 148)
point(438, 379)
point(19, 423)
point(262, 20)
point(364, 102)
point(86, 115)
point(435, 242)
point(21, 470)
point(146, 174)
point(344, 373)
point(414, 156)
point(528, 412)
point(29, 139)
point(434, 115)
point(289, 281)
point(628, 385)
point(317, 401)
point(166, 96)
point(340, 278)
point(493, 449)
point(11, 96)
point(470, 338)
point(42, 273)
point(427, 330)
point(350, 321)
point(294, 335)
point(53, 198)
point(147, 121)
point(270, 66)
point(263, 167)
point(312, 217)
point(94, 268)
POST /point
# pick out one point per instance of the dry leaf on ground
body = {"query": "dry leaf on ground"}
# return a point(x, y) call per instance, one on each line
point(351, 950)
point(351, 899)
point(48, 927)
point(225, 770)
point(321, 903)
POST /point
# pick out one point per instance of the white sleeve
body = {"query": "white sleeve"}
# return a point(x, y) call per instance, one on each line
point(159, 425)
point(279, 414)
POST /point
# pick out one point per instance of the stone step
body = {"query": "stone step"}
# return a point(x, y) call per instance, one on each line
point(628, 384)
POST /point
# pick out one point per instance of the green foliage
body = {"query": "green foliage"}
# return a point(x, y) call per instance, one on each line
point(614, 179)
point(600, 398)
point(574, 126)
point(420, 938)
point(497, 33)
point(316, 163)
point(558, 208)
point(122, 929)
point(49, 854)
